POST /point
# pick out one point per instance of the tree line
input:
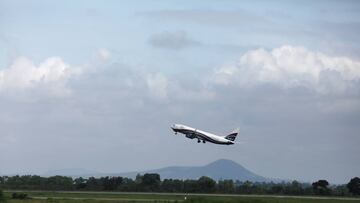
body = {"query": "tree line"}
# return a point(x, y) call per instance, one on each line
point(151, 182)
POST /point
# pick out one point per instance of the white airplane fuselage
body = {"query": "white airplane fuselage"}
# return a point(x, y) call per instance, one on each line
point(203, 136)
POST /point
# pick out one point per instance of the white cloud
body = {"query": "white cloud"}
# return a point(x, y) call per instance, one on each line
point(51, 74)
point(289, 66)
point(158, 85)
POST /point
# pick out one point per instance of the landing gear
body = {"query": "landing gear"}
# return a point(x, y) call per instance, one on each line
point(204, 141)
point(175, 133)
point(198, 141)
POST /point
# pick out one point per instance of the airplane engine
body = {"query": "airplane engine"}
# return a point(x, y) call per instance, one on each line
point(190, 136)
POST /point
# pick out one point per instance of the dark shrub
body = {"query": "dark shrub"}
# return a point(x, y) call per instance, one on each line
point(16, 195)
point(1, 196)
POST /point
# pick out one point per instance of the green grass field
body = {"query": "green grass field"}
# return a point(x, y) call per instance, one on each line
point(64, 197)
point(262, 200)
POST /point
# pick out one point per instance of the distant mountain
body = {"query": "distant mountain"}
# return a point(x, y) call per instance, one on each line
point(220, 169)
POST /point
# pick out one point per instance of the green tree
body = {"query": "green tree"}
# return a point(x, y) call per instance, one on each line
point(206, 184)
point(320, 187)
point(80, 183)
point(93, 184)
point(354, 186)
point(59, 183)
point(128, 185)
point(111, 183)
point(340, 190)
point(294, 188)
point(2, 180)
point(191, 186)
point(277, 189)
point(151, 182)
point(245, 188)
point(171, 185)
point(226, 186)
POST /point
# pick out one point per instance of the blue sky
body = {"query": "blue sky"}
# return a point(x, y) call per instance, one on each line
point(90, 82)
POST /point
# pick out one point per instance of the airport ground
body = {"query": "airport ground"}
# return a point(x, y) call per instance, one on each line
point(108, 197)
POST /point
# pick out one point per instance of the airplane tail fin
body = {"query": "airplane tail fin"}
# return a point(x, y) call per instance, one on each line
point(232, 135)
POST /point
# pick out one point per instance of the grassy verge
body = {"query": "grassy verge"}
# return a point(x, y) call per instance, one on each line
point(65, 197)
point(263, 200)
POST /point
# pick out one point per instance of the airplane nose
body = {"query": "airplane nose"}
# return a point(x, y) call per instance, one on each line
point(176, 127)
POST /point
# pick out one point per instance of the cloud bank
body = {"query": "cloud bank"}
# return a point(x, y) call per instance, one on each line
point(284, 67)
point(23, 74)
point(51, 76)
point(288, 67)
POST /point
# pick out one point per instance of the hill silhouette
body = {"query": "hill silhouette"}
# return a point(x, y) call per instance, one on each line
point(220, 169)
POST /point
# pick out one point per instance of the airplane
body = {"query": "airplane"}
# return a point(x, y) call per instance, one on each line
point(203, 136)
